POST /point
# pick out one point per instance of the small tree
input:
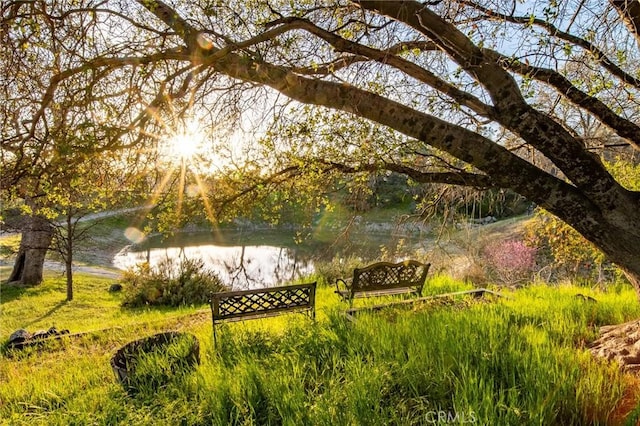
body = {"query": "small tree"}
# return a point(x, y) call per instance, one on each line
point(67, 233)
point(562, 251)
point(77, 197)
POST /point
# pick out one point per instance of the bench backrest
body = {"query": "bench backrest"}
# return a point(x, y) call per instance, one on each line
point(246, 304)
point(385, 276)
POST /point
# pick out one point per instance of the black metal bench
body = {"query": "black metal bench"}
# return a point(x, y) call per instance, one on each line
point(262, 303)
point(383, 279)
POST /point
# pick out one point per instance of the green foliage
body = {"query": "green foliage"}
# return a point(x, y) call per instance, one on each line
point(391, 189)
point(9, 246)
point(337, 268)
point(563, 252)
point(155, 363)
point(170, 283)
point(627, 173)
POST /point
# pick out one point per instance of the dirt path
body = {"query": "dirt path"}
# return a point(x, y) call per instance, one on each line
point(95, 260)
point(99, 271)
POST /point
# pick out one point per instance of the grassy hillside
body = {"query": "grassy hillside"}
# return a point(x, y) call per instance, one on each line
point(517, 360)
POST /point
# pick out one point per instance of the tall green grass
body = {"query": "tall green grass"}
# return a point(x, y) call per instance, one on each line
point(518, 360)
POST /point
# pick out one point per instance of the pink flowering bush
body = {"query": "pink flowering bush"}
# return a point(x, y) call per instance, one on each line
point(510, 262)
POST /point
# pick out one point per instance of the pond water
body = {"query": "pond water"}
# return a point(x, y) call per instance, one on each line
point(238, 266)
point(248, 260)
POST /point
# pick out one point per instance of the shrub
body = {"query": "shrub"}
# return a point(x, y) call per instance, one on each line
point(566, 253)
point(170, 283)
point(510, 262)
point(338, 268)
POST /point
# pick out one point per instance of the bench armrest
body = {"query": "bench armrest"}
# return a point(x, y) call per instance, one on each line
point(344, 283)
point(344, 289)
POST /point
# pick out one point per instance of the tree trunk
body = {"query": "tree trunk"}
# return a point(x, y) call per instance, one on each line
point(28, 268)
point(628, 261)
point(68, 257)
point(69, 274)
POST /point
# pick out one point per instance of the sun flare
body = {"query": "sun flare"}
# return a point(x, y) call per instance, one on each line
point(184, 146)
point(185, 143)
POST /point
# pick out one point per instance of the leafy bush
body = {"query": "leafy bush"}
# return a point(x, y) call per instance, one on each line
point(564, 253)
point(510, 262)
point(170, 283)
point(338, 268)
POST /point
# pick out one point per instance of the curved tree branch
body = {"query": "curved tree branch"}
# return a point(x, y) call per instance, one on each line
point(454, 178)
point(629, 11)
point(389, 57)
point(585, 170)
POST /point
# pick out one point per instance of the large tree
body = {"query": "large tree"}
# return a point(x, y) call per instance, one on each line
point(449, 80)
point(56, 128)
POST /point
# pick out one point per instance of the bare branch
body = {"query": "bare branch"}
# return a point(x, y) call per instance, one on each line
point(588, 46)
point(389, 57)
point(454, 178)
point(629, 11)
point(625, 128)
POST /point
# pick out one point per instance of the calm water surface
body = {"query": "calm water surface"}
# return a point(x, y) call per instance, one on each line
point(245, 260)
point(238, 266)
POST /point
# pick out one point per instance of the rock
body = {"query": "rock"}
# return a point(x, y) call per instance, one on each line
point(40, 334)
point(115, 288)
point(620, 343)
point(22, 338)
point(18, 338)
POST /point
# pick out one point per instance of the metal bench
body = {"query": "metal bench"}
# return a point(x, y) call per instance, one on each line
point(262, 303)
point(383, 279)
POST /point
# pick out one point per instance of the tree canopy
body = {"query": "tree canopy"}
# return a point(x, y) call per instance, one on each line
point(486, 93)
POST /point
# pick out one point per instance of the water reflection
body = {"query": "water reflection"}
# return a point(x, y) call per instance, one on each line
point(242, 267)
point(253, 259)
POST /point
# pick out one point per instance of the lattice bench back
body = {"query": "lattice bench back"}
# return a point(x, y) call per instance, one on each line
point(385, 275)
point(263, 302)
point(385, 278)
